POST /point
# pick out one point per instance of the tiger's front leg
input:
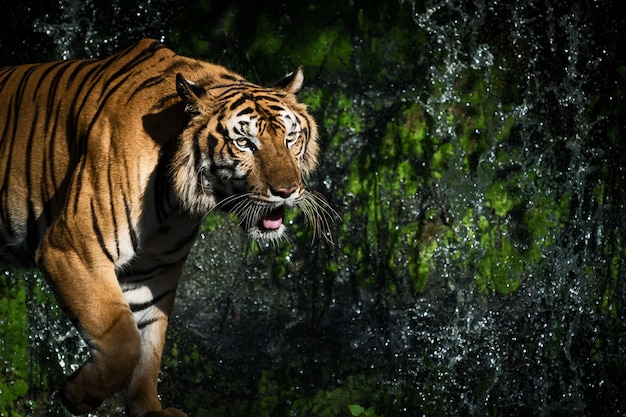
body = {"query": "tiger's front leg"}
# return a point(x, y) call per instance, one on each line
point(85, 285)
point(125, 330)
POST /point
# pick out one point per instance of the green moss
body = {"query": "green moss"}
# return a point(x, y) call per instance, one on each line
point(14, 376)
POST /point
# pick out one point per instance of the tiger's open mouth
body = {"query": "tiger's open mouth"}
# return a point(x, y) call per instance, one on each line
point(269, 226)
point(265, 221)
point(272, 220)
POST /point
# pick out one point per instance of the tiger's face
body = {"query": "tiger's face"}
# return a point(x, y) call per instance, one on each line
point(248, 150)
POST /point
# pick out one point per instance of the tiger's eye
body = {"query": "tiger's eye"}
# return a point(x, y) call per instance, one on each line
point(242, 143)
point(291, 138)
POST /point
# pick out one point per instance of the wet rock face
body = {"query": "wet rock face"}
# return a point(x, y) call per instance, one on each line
point(473, 152)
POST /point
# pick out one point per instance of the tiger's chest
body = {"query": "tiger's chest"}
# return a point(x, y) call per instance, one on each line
point(158, 249)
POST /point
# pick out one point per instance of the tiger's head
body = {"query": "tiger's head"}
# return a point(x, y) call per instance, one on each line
point(248, 150)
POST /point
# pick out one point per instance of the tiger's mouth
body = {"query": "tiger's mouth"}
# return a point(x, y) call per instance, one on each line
point(264, 221)
point(272, 220)
point(259, 218)
point(269, 226)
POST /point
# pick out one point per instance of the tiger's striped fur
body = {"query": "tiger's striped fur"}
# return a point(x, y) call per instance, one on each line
point(106, 169)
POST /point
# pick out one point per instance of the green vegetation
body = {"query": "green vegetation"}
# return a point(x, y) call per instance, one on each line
point(359, 411)
point(14, 376)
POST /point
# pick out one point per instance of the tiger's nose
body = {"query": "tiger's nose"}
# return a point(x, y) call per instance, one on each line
point(284, 192)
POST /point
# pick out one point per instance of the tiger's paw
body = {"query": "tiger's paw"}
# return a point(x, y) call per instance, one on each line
point(78, 401)
point(80, 394)
point(168, 412)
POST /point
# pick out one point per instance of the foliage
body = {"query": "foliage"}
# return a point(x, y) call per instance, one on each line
point(14, 380)
point(358, 411)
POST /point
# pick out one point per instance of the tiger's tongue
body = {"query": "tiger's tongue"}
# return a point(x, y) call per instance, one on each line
point(273, 219)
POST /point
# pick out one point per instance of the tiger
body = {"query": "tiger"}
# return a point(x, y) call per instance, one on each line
point(107, 169)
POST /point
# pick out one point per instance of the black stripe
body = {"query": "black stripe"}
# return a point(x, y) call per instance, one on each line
point(247, 110)
point(98, 232)
point(220, 128)
point(212, 143)
point(131, 229)
point(143, 324)
point(6, 74)
point(49, 159)
point(112, 325)
point(260, 97)
point(78, 183)
point(138, 307)
point(32, 233)
point(239, 102)
point(228, 77)
point(231, 153)
point(146, 84)
point(30, 138)
point(48, 70)
point(113, 214)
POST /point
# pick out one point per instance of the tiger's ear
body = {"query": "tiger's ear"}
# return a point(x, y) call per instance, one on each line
point(292, 82)
point(190, 93)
